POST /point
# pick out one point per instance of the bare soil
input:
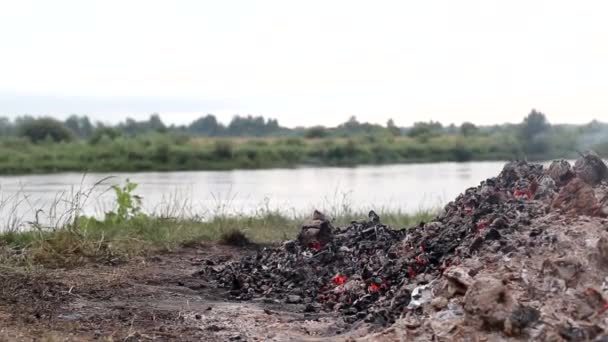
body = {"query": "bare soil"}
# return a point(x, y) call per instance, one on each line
point(153, 298)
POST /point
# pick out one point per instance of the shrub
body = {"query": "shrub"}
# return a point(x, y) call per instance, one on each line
point(316, 132)
point(44, 128)
point(222, 149)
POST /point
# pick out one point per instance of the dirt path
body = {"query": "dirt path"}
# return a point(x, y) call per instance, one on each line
point(153, 298)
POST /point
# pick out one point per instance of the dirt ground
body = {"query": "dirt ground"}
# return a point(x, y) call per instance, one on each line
point(152, 298)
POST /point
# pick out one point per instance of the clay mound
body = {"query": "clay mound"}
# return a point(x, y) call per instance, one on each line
point(522, 256)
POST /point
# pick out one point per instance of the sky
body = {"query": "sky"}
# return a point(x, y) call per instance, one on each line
point(306, 62)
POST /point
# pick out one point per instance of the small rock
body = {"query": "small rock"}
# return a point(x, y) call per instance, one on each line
point(488, 302)
point(439, 303)
point(582, 333)
point(591, 168)
point(294, 299)
point(560, 171)
point(289, 246)
point(420, 296)
point(476, 244)
point(602, 248)
point(566, 268)
point(577, 197)
point(522, 317)
point(499, 223)
point(458, 279)
point(491, 234)
point(318, 230)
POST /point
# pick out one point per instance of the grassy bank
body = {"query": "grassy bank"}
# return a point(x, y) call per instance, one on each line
point(165, 152)
point(127, 230)
point(114, 240)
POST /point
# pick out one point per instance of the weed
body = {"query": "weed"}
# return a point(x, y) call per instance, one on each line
point(128, 205)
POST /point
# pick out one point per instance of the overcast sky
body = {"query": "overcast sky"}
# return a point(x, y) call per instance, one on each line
point(306, 62)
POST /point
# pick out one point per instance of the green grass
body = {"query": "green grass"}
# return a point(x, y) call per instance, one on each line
point(89, 240)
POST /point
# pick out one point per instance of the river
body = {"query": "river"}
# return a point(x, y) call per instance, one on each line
point(408, 188)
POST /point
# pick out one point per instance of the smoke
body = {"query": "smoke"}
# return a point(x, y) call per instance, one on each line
point(594, 136)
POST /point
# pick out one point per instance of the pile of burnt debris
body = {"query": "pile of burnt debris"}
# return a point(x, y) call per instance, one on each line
point(500, 258)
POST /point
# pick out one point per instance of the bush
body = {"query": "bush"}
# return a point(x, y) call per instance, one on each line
point(461, 153)
point(468, 129)
point(162, 152)
point(425, 130)
point(222, 149)
point(316, 132)
point(104, 133)
point(44, 128)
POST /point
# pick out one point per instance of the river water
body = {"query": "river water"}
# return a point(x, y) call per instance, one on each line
point(408, 188)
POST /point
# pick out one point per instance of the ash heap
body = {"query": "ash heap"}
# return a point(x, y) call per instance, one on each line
point(524, 255)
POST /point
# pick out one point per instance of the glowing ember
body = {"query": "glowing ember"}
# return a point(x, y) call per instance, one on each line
point(316, 245)
point(526, 192)
point(338, 279)
point(481, 225)
point(373, 287)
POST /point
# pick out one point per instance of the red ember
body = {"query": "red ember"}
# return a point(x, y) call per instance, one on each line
point(526, 192)
point(373, 287)
point(481, 225)
point(338, 279)
point(316, 245)
point(421, 260)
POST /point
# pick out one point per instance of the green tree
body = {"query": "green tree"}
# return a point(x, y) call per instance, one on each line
point(101, 131)
point(6, 127)
point(533, 131)
point(468, 129)
point(252, 126)
point(156, 124)
point(81, 126)
point(392, 128)
point(207, 126)
point(534, 124)
point(425, 130)
point(44, 128)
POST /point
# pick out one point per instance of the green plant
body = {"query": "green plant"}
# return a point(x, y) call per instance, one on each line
point(128, 205)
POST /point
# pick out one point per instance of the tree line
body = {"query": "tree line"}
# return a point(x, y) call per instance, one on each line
point(75, 127)
point(534, 132)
